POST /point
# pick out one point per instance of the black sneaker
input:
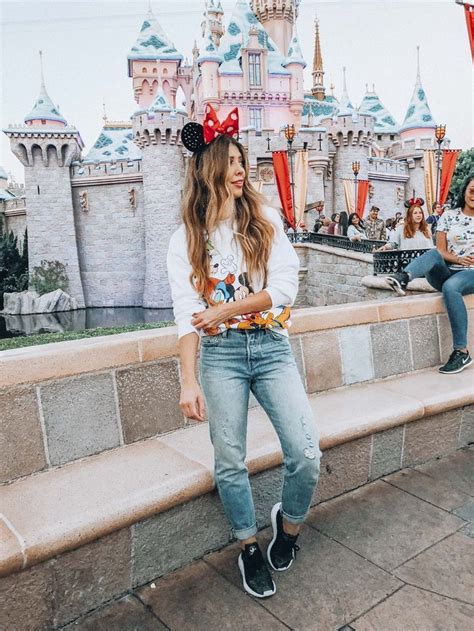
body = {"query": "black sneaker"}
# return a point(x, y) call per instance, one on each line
point(255, 574)
point(457, 361)
point(398, 282)
point(282, 549)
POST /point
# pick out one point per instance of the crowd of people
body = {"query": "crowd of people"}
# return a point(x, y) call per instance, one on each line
point(411, 231)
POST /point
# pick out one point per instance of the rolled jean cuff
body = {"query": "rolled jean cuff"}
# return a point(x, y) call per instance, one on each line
point(296, 521)
point(241, 535)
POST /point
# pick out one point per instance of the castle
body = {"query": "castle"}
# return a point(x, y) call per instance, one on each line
point(108, 215)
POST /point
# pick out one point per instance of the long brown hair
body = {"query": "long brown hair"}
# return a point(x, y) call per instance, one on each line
point(205, 196)
point(409, 227)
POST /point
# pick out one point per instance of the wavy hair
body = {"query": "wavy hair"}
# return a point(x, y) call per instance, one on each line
point(205, 197)
point(409, 227)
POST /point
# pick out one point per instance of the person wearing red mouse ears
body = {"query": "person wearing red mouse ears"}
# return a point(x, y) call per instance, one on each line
point(234, 276)
point(449, 268)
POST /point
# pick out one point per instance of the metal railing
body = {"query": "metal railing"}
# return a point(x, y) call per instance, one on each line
point(393, 261)
point(387, 262)
point(334, 241)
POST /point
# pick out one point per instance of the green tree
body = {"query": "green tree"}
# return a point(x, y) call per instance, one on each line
point(13, 267)
point(49, 276)
point(464, 167)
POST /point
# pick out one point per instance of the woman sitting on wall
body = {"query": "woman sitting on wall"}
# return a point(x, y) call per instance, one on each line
point(414, 234)
point(449, 269)
point(355, 229)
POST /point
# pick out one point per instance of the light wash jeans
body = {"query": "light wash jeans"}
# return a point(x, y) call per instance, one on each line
point(231, 365)
point(454, 284)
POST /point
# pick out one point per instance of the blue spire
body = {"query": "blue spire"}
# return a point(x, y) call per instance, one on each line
point(418, 113)
point(345, 106)
point(44, 108)
point(153, 43)
point(295, 56)
point(384, 121)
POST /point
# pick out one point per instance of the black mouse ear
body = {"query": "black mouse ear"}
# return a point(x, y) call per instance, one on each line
point(192, 137)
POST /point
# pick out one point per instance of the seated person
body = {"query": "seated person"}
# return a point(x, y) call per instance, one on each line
point(333, 225)
point(326, 222)
point(449, 269)
point(355, 228)
point(414, 233)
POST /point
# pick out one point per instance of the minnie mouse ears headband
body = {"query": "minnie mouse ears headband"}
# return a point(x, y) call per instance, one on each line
point(196, 137)
point(414, 201)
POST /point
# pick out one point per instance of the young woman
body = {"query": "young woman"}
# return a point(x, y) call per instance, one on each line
point(233, 276)
point(334, 225)
point(414, 234)
point(449, 269)
point(355, 230)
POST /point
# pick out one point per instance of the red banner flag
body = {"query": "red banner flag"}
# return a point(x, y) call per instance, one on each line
point(450, 157)
point(362, 191)
point(282, 175)
point(469, 13)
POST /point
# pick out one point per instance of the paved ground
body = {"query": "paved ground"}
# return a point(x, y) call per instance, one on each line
point(394, 555)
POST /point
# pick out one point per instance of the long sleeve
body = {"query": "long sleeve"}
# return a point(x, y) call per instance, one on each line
point(186, 300)
point(283, 265)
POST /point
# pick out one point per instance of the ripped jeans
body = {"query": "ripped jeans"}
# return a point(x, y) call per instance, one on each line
point(232, 365)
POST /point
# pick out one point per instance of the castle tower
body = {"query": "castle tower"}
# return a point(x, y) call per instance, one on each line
point(46, 146)
point(153, 61)
point(350, 136)
point(157, 132)
point(296, 64)
point(209, 61)
point(418, 119)
point(213, 15)
point(385, 126)
point(278, 17)
point(318, 90)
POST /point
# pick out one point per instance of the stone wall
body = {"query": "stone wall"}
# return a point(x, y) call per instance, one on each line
point(61, 402)
point(17, 225)
point(111, 244)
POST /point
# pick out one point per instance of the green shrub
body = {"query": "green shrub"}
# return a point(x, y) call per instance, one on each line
point(13, 266)
point(49, 276)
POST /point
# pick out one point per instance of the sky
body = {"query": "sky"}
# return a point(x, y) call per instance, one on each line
point(85, 45)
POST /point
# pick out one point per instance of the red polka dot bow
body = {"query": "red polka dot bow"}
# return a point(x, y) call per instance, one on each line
point(214, 128)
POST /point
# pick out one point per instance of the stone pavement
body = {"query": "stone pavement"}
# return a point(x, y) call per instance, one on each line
point(393, 555)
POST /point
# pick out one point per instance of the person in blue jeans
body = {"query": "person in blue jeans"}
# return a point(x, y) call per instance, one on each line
point(449, 269)
point(234, 276)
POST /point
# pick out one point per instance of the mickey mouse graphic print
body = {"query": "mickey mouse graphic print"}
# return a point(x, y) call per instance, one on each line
point(228, 279)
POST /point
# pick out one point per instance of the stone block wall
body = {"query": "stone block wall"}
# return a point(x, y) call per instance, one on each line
point(57, 406)
point(111, 244)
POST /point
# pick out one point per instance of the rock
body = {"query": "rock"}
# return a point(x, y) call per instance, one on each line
point(379, 282)
point(23, 302)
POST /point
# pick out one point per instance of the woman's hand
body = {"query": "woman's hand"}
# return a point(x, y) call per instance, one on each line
point(210, 317)
point(465, 261)
point(191, 401)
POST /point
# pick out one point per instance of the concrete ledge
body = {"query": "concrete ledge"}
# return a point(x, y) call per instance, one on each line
point(379, 282)
point(339, 252)
point(50, 513)
point(64, 359)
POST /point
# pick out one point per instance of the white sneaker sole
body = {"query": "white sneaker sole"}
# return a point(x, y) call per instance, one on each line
point(274, 514)
point(395, 286)
point(248, 589)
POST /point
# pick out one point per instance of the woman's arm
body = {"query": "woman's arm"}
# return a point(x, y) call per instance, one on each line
point(191, 400)
point(442, 245)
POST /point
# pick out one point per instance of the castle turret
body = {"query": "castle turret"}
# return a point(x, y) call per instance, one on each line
point(209, 60)
point(278, 17)
point(418, 120)
point(296, 65)
point(153, 61)
point(318, 90)
point(157, 132)
point(385, 126)
point(46, 146)
point(213, 20)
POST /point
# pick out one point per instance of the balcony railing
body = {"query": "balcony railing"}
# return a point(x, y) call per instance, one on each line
point(386, 262)
point(334, 241)
point(394, 260)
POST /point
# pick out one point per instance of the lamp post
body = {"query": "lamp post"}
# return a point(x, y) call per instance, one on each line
point(355, 171)
point(290, 134)
point(440, 133)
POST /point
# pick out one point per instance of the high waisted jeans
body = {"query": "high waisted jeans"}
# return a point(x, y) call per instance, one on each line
point(453, 284)
point(232, 364)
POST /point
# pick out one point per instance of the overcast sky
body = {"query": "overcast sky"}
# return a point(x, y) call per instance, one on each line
point(85, 45)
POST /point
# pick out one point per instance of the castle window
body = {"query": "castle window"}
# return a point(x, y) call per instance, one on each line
point(144, 69)
point(392, 137)
point(379, 137)
point(43, 122)
point(255, 69)
point(255, 118)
